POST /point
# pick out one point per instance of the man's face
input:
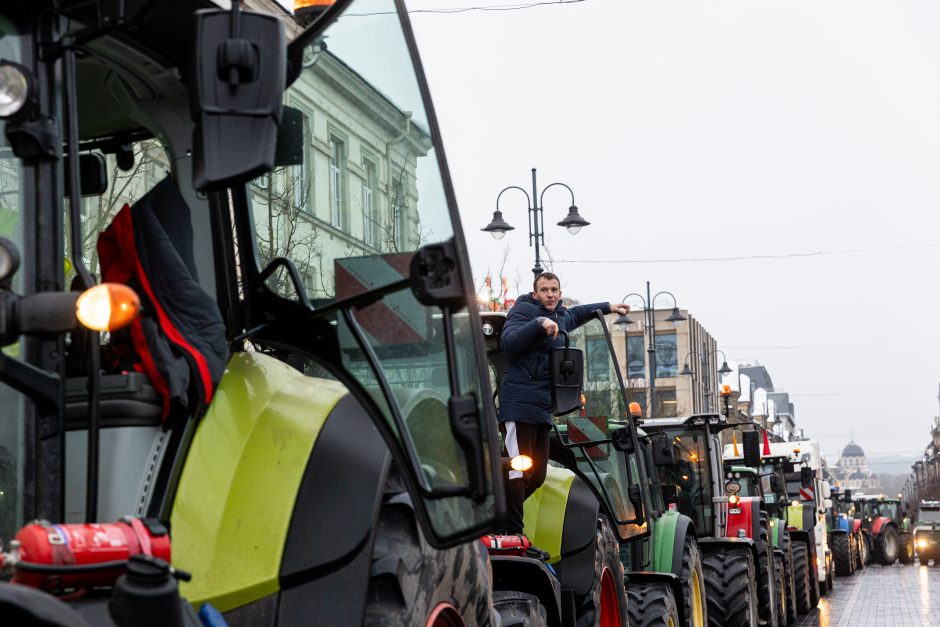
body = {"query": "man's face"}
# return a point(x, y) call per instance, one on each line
point(548, 292)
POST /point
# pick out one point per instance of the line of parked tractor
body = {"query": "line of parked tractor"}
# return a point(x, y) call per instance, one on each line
point(700, 531)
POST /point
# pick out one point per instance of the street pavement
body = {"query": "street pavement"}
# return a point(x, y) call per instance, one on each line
point(881, 596)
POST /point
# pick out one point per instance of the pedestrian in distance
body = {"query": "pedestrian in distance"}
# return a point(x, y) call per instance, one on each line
point(533, 328)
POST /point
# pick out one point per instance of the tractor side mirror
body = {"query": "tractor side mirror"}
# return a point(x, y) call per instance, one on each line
point(751, 449)
point(827, 504)
point(846, 495)
point(92, 174)
point(806, 477)
point(663, 452)
point(566, 367)
point(622, 440)
point(240, 74)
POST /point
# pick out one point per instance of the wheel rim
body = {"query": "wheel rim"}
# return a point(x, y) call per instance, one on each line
point(610, 602)
point(698, 612)
point(891, 545)
point(444, 615)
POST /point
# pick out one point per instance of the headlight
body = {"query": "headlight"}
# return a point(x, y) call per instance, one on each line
point(921, 543)
point(14, 88)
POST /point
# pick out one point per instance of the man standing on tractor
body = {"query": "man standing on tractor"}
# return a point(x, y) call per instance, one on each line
point(531, 332)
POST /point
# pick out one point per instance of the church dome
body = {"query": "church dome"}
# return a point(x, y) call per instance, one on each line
point(853, 450)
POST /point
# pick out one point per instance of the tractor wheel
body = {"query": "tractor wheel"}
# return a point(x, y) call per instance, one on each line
point(906, 549)
point(842, 554)
point(813, 581)
point(801, 581)
point(886, 545)
point(853, 552)
point(765, 572)
point(652, 605)
point(730, 580)
point(606, 603)
point(865, 546)
point(693, 584)
point(787, 547)
point(781, 591)
point(518, 609)
point(924, 560)
point(412, 583)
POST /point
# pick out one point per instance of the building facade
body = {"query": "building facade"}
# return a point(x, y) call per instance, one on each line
point(852, 471)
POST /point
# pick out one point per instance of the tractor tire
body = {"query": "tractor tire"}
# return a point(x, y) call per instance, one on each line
point(923, 560)
point(842, 554)
point(813, 579)
point(607, 599)
point(412, 583)
point(853, 549)
point(518, 609)
point(693, 584)
point(787, 547)
point(886, 545)
point(765, 572)
point(730, 580)
point(906, 549)
point(865, 546)
point(801, 581)
point(652, 605)
point(781, 591)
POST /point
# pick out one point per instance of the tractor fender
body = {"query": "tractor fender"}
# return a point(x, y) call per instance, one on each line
point(880, 523)
point(669, 534)
point(673, 581)
point(713, 545)
point(532, 576)
point(856, 525)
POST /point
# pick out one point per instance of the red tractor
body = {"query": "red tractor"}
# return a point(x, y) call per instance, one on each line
point(887, 530)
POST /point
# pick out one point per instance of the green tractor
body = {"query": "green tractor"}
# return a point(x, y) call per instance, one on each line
point(296, 428)
point(742, 587)
point(598, 445)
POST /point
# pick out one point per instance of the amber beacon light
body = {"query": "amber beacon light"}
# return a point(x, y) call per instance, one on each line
point(107, 307)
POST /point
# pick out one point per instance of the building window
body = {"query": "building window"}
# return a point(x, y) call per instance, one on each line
point(338, 183)
point(665, 404)
point(666, 357)
point(302, 174)
point(370, 222)
point(399, 217)
point(636, 364)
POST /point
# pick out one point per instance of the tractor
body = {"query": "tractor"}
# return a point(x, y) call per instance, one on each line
point(597, 445)
point(738, 564)
point(241, 378)
point(849, 548)
point(927, 532)
point(765, 479)
point(887, 529)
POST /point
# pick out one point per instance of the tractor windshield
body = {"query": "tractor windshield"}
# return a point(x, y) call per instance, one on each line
point(603, 411)
point(691, 475)
point(12, 434)
point(369, 192)
point(929, 515)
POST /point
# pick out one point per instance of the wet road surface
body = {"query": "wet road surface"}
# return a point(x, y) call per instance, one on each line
point(881, 596)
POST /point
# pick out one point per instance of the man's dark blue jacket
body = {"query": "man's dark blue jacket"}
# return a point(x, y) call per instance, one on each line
point(525, 394)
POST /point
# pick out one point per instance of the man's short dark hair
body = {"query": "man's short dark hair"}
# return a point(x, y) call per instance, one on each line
point(548, 276)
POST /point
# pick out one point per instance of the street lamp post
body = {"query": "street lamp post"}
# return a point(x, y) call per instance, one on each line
point(706, 380)
point(573, 222)
point(650, 331)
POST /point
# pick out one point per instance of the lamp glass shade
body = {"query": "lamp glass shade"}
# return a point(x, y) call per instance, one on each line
point(573, 221)
point(623, 321)
point(498, 235)
point(675, 317)
point(498, 225)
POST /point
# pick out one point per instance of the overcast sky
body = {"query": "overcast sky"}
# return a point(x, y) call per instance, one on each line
point(692, 130)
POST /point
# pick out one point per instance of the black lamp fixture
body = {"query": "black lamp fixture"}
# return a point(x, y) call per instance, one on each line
point(573, 222)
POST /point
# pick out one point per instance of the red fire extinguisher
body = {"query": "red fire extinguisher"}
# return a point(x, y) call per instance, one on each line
point(71, 556)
